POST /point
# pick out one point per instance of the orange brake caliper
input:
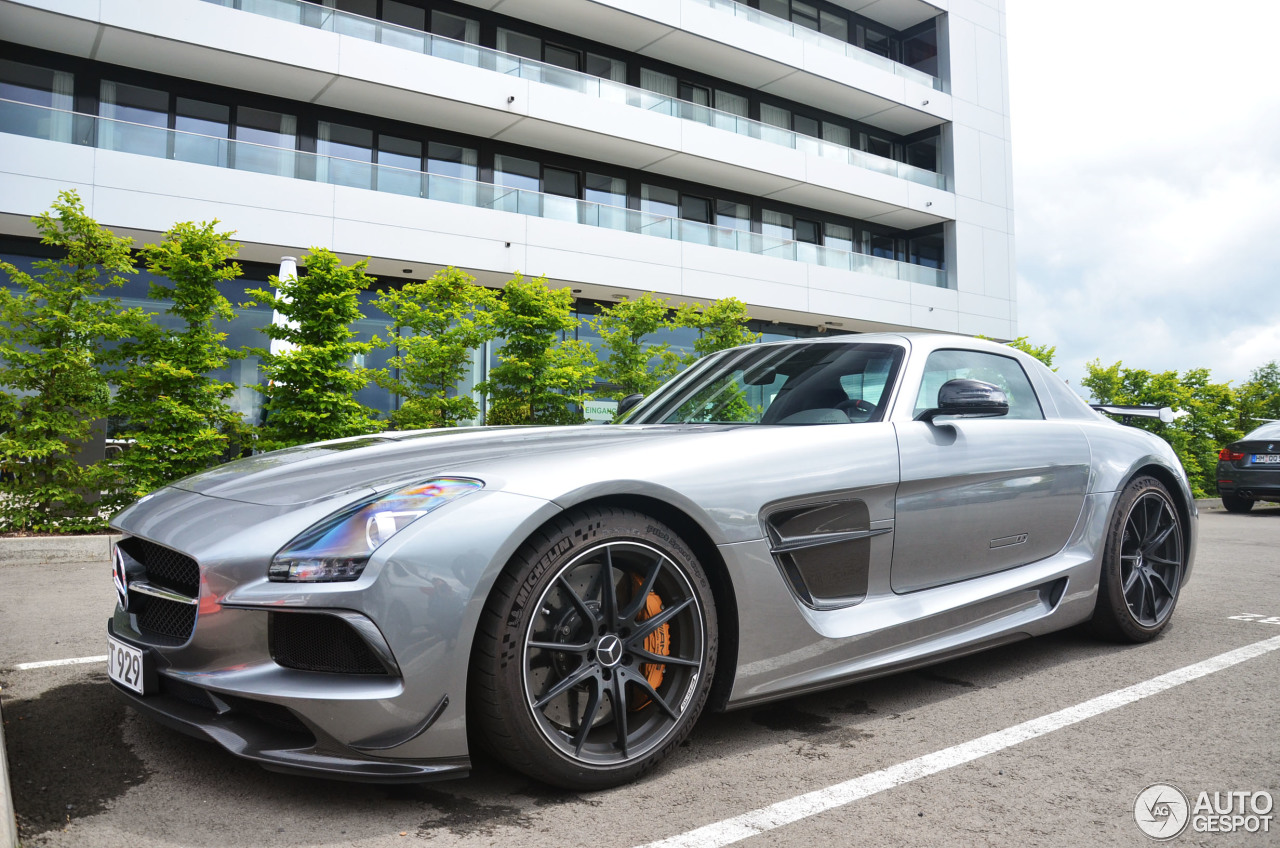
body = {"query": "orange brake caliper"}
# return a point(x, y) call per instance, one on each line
point(658, 642)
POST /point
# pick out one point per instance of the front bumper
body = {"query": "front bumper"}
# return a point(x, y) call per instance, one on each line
point(415, 607)
point(273, 736)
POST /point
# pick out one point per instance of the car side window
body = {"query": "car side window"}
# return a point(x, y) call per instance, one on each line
point(1002, 371)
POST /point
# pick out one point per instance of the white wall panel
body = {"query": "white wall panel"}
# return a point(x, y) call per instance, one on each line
point(995, 186)
point(997, 248)
point(887, 312)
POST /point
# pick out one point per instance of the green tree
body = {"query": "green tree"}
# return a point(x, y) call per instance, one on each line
point(1044, 353)
point(446, 317)
point(1196, 437)
point(310, 391)
point(633, 366)
point(1258, 398)
point(539, 376)
point(721, 324)
point(175, 413)
point(55, 333)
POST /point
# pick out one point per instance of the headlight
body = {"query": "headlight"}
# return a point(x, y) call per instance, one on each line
point(338, 548)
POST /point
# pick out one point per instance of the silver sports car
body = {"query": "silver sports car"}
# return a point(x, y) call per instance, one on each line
point(779, 518)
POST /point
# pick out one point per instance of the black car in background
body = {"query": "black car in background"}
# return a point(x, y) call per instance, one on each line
point(1249, 470)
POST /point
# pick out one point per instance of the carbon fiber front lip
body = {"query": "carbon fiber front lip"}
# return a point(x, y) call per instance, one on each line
point(251, 739)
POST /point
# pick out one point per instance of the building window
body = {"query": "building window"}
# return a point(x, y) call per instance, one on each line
point(927, 251)
point(920, 51)
point(923, 153)
point(605, 67)
point(453, 171)
point(399, 165)
point(734, 104)
point(658, 82)
point(346, 155)
point(455, 27)
point(877, 145)
point(137, 119)
point(883, 246)
point(271, 140)
point(203, 130)
point(838, 237)
point(36, 86)
point(660, 200)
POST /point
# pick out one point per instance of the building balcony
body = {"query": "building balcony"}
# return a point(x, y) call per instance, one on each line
point(729, 39)
point(366, 66)
point(417, 41)
point(62, 127)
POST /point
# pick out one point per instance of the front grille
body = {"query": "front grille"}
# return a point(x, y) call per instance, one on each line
point(160, 617)
point(319, 642)
point(166, 568)
point(159, 620)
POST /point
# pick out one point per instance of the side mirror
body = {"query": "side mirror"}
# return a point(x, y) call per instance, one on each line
point(628, 403)
point(968, 399)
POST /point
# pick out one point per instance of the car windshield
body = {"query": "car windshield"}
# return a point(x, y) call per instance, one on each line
point(813, 383)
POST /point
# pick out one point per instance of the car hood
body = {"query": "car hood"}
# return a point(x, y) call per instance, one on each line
point(310, 472)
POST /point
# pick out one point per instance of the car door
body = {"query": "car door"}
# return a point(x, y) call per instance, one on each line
point(982, 495)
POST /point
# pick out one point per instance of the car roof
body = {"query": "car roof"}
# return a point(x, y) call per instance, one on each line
point(1270, 430)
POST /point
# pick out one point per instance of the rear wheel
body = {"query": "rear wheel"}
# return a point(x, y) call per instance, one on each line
point(1236, 504)
point(1143, 564)
point(595, 651)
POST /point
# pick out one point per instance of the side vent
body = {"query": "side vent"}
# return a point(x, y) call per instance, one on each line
point(824, 550)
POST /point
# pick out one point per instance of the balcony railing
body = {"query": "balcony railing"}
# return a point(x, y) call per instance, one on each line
point(58, 125)
point(742, 10)
point(407, 38)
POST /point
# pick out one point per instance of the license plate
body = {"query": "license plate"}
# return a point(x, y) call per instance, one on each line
point(126, 665)
point(1266, 459)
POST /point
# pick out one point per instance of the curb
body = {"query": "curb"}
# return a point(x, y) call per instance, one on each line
point(19, 550)
point(8, 824)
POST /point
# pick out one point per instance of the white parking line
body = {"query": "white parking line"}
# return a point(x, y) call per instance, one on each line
point(792, 810)
point(52, 663)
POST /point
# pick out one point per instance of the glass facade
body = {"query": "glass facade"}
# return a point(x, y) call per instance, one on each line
point(470, 35)
point(191, 122)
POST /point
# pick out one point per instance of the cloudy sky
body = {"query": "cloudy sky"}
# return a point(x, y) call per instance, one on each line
point(1146, 148)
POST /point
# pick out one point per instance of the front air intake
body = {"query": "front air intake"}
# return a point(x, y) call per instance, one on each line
point(310, 641)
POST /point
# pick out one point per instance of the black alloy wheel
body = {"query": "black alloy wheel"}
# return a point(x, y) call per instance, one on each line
point(604, 650)
point(1143, 564)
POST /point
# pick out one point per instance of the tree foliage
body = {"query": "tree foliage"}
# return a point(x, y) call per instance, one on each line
point(1258, 398)
point(175, 414)
point(540, 376)
point(1044, 353)
point(631, 365)
point(436, 325)
point(311, 385)
point(721, 324)
point(55, 335)
point(1209, 424)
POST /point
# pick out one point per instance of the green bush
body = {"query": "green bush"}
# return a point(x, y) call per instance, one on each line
point(174, 414)
point(55, 337)
point(310, 389)
point(540, 376)
point(447, 316)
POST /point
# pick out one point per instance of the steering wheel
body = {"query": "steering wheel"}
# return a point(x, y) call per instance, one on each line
point(858, 410)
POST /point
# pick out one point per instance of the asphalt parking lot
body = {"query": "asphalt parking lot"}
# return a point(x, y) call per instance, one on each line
point(85, 771)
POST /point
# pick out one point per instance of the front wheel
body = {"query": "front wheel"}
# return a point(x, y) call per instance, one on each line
point(595, 652)
point(1143, 564)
